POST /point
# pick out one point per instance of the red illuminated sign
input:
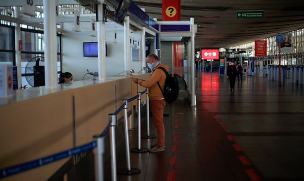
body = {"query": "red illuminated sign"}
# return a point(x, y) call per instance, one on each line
point(260, 48)
point(210, 53)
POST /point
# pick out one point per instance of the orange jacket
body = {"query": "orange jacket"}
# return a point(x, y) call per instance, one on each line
point(154, 90)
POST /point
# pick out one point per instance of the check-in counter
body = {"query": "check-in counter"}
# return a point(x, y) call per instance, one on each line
point(37, 122)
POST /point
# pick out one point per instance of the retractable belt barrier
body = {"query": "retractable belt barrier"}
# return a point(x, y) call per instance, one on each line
point(45, 160)
point(99, 144)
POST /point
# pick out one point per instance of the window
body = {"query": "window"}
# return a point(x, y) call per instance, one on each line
point(32, 49)
point(7, 45)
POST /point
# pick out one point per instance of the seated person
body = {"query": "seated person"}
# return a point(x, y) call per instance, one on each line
point(65, 77)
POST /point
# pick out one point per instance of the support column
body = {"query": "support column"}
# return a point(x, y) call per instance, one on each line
point(127, 44)
point(193, 96)
point(50, 40)
point(18, 53)
point(101, 44)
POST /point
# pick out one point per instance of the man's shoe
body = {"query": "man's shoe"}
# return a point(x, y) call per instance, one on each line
point(157, 149)
point(153, 145)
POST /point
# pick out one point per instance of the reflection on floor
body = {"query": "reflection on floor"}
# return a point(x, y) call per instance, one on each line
point(253, 133)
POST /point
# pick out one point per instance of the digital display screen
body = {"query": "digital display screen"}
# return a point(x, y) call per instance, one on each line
point(90, 49)
point(122, 10)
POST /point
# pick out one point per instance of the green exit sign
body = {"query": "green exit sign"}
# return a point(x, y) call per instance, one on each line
point(249, 14)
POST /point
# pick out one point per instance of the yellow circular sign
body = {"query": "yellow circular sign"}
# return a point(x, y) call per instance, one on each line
point(170, 11)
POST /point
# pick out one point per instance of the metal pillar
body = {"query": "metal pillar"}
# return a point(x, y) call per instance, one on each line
point(101, 43)
point(50, 41)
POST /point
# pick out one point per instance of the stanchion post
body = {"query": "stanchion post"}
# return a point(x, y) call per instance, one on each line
point(127, 134)
point(139, 120)
point(113, 147)
point(148, 120)
point(99, 151)
point(139, 149)
point(148, 113)
point(128, 170)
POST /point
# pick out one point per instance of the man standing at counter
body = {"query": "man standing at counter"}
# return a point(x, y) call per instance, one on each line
point(156, 97)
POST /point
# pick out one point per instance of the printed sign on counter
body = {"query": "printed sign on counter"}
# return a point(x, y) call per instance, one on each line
point(6, 79)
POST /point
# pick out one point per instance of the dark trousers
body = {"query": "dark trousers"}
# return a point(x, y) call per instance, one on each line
point(232, 81)
point(240, 74)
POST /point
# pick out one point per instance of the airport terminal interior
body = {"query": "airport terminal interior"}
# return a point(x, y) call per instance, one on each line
point(70, 110)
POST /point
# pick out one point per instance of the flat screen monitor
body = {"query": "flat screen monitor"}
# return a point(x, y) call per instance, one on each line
point(122, 10)
point(90, 49)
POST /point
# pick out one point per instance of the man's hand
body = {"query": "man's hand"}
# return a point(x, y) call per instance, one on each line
point(135, 80)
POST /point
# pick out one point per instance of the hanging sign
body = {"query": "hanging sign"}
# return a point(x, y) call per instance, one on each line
point(28, 8)
point(93, 28)
point(171, 10)
point(76, 21)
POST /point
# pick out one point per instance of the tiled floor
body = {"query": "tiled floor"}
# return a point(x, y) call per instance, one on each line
point(253, 133)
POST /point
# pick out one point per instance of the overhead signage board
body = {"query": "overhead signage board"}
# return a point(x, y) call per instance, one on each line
point(171, 10)
point(210, 53)
point(249, 14)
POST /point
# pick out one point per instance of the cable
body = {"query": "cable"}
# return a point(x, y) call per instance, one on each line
point(84, 75)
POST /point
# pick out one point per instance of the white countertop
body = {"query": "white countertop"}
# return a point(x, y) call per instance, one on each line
point(25, 94)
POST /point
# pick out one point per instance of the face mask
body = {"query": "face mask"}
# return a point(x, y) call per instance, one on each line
point(152, 65)
point(70, 82)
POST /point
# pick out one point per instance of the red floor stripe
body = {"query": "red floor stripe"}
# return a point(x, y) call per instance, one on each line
point(175, 138)
point(173, 161)
point(176, 116)
point(176, 120)
point(230, 138)
point(218, 120)
point(214, 115)
point(176, 126)
point(224, 126)
point(171, 176)
point(253, 176)
point(244, 160)
point(237, 147)
point(174, 148)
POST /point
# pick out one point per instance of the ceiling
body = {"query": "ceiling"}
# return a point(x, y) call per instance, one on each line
point(219, 27)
